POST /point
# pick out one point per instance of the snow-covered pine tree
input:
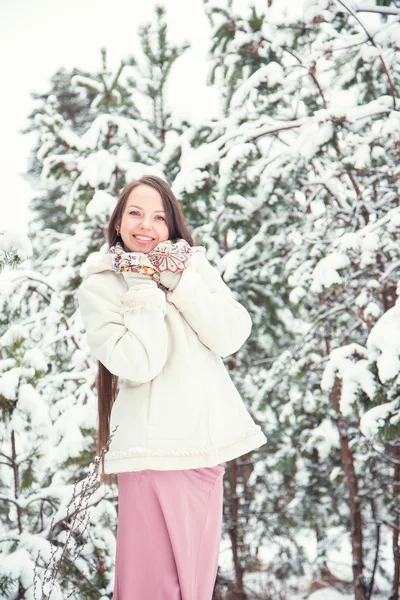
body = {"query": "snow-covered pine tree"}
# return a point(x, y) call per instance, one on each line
point(38, 443)
point(351, 284)
point(281, 199)
point(231, 171)
point(301, 164)
point(73, 106)
point(84, 163)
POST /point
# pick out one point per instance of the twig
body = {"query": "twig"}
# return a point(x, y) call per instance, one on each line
point(80, 516)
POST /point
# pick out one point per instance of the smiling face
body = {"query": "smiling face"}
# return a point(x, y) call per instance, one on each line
point(143, 224)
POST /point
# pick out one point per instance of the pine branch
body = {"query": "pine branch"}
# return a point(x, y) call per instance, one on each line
point(371, 39)
point(382, 10)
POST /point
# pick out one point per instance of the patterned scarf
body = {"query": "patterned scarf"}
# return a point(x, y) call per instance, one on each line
point(166, 256)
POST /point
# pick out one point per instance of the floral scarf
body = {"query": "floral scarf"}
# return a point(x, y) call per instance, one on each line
point(166, 256)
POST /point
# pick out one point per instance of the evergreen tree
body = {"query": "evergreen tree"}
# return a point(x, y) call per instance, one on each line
point(89, 145)
point(297, 176)
point(41, 435)
point(294, 193)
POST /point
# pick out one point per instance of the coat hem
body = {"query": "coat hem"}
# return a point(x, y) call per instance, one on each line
point(209, 457)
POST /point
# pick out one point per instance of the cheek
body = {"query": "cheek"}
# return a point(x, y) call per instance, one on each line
point(162, 231)
point(124, 223)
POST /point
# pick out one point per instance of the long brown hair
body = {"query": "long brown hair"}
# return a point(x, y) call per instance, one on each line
point(106, 382)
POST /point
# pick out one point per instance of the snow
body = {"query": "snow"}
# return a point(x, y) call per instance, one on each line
point(311, 137)
point(384, 344)
point(18, 565)
point(329, 594)
point(353, 371)
point(188, 182)
point(230, 263)
point(14, 243)
point(32, 404)
point(297, 294)
point(282, 222)
point(36, 359)
point(324, 439)
point(372, 310)
point(101, 205)
point(372, 421)
point(227, 164)
point(136, 170)
point(192, 162)
point(14, 334)
point(326, 273)
point(362, 157)
point(69, 137)
point(128, 131)
point(9, 383)
point(80, 80)
point(96, 168)
point(272, 73)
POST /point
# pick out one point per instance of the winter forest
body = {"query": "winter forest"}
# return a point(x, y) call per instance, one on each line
point(294, 192)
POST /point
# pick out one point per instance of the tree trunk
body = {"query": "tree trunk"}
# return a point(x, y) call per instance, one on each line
point(396, 547)
point(16, 479)
point(360, 588)
point(233, 527)
point(378, 543)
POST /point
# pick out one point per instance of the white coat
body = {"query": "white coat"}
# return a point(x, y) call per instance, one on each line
point(177, 407)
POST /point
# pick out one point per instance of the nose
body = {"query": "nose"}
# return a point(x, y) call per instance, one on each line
point(145, 223)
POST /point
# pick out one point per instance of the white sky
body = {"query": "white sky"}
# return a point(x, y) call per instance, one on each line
point(37, 37)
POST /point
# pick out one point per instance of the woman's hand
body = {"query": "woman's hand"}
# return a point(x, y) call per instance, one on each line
point(170, 259)
point(170, 256)
point(133, 262)
point(164, 263)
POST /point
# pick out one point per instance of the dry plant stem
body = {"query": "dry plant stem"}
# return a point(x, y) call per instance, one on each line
point(77, 510)
point(78, 506)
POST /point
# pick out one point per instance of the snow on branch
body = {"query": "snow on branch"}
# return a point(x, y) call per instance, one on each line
point(349, 363)
point(326, 272)
point(15, 247)
point(382, 10)
point(384, 344)
point(376, 417)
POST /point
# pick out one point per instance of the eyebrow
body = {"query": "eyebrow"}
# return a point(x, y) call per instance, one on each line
point(135, 206)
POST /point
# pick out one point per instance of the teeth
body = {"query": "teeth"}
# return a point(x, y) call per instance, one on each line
point(139, 237)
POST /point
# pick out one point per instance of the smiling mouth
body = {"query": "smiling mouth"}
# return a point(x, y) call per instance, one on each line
point(144, 239)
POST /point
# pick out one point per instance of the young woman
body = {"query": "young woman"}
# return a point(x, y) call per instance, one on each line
point(159, 316)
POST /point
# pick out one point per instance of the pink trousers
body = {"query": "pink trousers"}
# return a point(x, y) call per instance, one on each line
point(168, 534)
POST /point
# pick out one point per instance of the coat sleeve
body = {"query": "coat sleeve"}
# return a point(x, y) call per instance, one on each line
point(127, 335)
point(207, 304)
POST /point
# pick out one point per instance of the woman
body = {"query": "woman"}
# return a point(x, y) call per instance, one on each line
point(159, 316)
